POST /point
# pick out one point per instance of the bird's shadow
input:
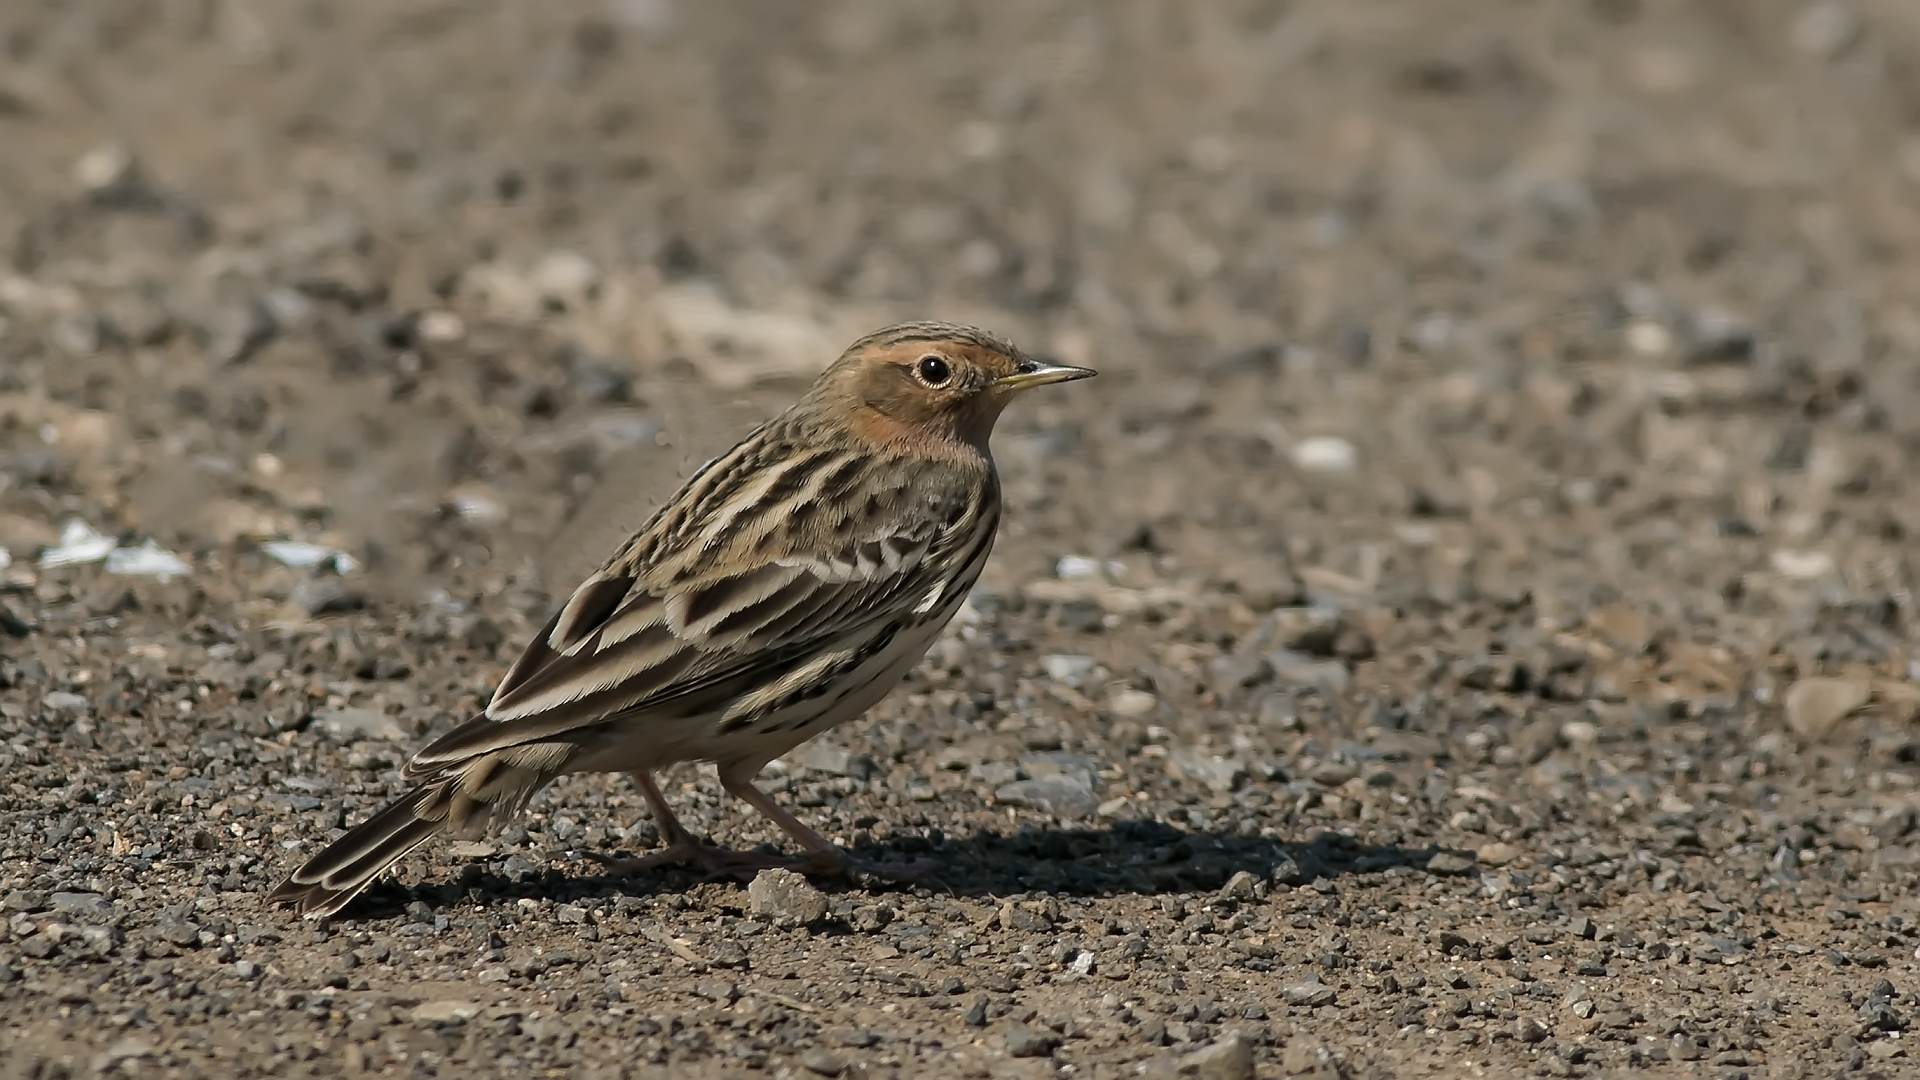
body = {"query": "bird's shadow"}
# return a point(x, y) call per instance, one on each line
point(1135, 858)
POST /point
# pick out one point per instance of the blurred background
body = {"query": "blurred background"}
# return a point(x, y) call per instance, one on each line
point(402, 279)
point(1503, 443)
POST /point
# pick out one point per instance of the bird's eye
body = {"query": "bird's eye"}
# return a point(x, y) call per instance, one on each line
point(933, 371)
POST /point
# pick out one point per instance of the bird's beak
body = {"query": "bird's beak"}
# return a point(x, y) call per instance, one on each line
point(1032, 373)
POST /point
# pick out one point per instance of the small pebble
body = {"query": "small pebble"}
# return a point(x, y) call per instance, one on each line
point(824, 1062)
point(1309, 994)
point(1240, 886)
point(833, 760)
point(91, 907)
point(1801, 565)
point(1230, 1058)
point(1496, 854)
point(1649, 339)
point(785, 898)
point(1529, 1030)
point(1209, 770)
point(104, 167)
point(177, 931)
point(1326, 454)
point(1449, 864)
point(1024, 1041)
point(1078, 568)
point(348, 724)
point(858, 1038)
point(443, 1011)
point(1815, 705)
point(1065, 796)
point(441, 327)
point(1068, 669)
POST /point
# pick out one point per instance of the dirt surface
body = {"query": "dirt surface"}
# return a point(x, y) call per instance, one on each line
point(1468, 629)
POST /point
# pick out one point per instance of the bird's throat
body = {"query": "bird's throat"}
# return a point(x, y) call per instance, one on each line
point(954, 438)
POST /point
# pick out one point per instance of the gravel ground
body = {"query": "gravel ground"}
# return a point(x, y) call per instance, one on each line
point(1467, 630)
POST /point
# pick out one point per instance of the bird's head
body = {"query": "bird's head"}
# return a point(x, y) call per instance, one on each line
point(933, 384)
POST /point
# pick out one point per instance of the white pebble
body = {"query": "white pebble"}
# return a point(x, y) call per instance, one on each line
point(1077, 568)
point(296, 553)
point(1580, 733)
point(102, 167)
point(565, 275)
point(442, 326)
point(478, 508)
point(1434, 333)
point(301, 555)
point(1325, 454)
point(1068, 668)
point(1801, 565)
point(147, 560)
point(1649, 339)
point(79, 544)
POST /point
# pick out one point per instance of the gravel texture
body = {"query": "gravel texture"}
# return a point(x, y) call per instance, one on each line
point(1467, 630)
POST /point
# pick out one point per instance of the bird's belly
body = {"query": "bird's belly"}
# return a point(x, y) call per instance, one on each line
point(672, 740)
point(646, 744)
point(779, 731)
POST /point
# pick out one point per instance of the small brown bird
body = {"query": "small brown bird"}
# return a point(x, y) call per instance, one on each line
point(785, 588)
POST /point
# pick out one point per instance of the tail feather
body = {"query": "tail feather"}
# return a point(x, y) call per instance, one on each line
point(466, 800)
point(343, 869)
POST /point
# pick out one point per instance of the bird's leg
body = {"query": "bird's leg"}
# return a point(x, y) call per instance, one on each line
point(823, 855)
point(683, 848)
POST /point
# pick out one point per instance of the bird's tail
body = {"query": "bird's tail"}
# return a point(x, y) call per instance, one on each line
point(465, 794)
point(330, 880)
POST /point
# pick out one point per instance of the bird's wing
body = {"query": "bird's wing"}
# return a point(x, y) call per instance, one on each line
point(633, 640)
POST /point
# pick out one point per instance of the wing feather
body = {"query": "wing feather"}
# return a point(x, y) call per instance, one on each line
point(692, 633)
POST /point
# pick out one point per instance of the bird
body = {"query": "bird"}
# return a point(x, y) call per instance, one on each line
point(785, 588)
